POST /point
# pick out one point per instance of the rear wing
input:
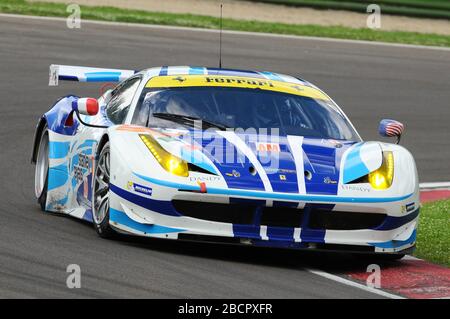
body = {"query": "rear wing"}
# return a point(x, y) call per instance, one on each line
point(86, 74)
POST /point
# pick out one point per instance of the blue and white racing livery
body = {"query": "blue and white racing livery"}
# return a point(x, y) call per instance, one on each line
point(233, 156)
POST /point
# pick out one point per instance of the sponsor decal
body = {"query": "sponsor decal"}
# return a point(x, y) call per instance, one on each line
point(81, 167)
point(287, 171)
point(335, 143)
point(238, 81)
point(235, 81)
point(139, 188)
point(268, 147)
point(283, 177)
point(408, 207)
point(355, 188)
point(328, 180)
point(234, 173)
point(179, 79)
point(200, 179)
point(83, 160)
point(280, 171)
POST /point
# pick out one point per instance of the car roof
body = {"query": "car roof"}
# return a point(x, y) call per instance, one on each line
point(199, 70)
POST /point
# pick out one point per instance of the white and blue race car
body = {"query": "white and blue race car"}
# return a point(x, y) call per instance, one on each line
point(221, 155)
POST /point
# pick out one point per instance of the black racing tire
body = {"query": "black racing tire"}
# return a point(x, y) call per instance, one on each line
point(41, 169)
point(100, 194)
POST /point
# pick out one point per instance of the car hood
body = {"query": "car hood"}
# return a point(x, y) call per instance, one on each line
point(288, 164)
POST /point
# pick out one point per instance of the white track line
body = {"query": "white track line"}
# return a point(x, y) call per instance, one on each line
point(354, 284)
point(424, 186)
point(409, 257)
point(255, 34)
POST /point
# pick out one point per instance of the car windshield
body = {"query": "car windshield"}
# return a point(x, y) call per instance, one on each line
point(243, 109)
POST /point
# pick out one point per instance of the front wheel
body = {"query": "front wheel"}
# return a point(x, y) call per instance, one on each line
point(41, 170)
point(101, 193)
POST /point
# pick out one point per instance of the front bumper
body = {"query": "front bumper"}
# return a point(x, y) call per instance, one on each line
point(251, 222)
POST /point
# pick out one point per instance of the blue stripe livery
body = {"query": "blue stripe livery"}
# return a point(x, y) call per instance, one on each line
point(56, 178)
point(163, 71)
point(116, 216)
point(397, 243)
point(162, 207)
point(194, 70)
point(58, 149)
point(354, 167)
point(280, 233)
point(392, 222)
point(246, 231)
point(320, 160)
point(102, 76)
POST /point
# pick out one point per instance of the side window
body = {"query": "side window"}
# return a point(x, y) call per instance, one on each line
point(119, 104)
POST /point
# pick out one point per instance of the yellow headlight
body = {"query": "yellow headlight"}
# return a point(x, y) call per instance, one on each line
point(169, 162)
point(382, 177)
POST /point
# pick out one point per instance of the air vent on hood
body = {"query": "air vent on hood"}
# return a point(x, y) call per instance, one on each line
point(322, 159)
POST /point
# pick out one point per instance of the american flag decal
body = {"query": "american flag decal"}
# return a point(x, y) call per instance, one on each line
point(391, 128)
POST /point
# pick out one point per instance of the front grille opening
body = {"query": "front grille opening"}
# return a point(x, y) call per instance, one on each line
point(278, 216)
point(216, 212)
point(334, 220)
point(281, 217)
point(240, 213)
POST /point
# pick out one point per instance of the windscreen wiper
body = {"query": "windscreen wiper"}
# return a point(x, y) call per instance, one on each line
point(189, 120)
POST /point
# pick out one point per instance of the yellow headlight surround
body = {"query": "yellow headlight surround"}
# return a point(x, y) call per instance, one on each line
point(169, 162)
point(382, 178)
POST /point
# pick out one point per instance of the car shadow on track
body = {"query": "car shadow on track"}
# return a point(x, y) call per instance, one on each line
point(332, 262)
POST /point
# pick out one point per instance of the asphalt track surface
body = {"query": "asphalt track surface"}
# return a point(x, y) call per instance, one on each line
point(370, 82)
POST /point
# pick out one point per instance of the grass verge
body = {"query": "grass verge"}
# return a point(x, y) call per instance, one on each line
point(433, 238)
point(198, 21)
point(435, 9)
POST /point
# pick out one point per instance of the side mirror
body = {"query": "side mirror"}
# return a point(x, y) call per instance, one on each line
point(86, 106)
point(391, 128)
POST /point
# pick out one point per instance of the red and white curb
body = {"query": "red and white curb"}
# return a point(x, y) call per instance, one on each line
point(353, 282)
point(411, 278)
point(434, 191)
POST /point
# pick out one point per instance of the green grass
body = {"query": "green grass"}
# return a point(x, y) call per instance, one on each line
point(433, 238)
point(439, 9)
point(189, 20)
